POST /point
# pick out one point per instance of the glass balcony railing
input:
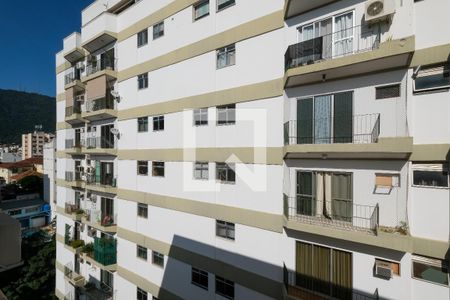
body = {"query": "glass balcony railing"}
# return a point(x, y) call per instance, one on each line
point(99, 104)
point(105, 251)
point(100, 65)
point(70, 110)
point(100, 143)
point(349, 41)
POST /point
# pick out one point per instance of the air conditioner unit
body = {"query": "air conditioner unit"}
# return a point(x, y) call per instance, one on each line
point(383, 269)
point(379, 10)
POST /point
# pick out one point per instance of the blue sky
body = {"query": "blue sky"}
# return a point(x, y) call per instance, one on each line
point(31, 33)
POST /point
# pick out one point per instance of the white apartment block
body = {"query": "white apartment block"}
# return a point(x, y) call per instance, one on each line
point(33, 143)
point(248, 149)
point(49, 168)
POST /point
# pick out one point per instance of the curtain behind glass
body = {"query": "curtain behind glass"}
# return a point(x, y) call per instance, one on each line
point(342, 275)
point(305, 190)
point(343, 117)
point(304, 265)
point(342, 203)
point(322, 119)
point(343, 36)
point(321, 269)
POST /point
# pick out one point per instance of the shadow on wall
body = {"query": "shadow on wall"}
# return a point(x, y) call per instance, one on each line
point(276, 282)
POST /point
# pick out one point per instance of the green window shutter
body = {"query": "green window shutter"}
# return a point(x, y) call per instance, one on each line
point(341, 194)
point(97, 171)
point(343, 117)
point(304, 121)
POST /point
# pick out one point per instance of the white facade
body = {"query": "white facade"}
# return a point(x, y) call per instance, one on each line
point(50, 175)
point(199, 159)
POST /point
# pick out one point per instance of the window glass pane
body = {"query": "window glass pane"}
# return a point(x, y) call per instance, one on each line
point(201, 10)
point(432, 273)
point(433, 77)
point(391, 91)
point(222, 4)
point(431, 178)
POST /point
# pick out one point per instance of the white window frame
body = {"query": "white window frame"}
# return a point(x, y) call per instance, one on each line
point(203, 168)
point(202, 114)
point(230, 56)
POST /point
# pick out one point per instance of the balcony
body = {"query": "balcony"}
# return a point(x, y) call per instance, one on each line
point(72, 79)
point(294, 282)
point(74, 210)
point(73, 277)
point(73, 146)
point(73, 114)
point(105, 251)
point(349, 52)
point(296, 7)
point(100, 108)
point(72, 176)
point(103, 221)
point(104, 292)
point(339, 214)
point(356, 136)
point(100, 145)
point(72, 48)
point(99, 32)
point(104, 64)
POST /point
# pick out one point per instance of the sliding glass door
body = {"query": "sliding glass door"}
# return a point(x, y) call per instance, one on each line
point(343, 34)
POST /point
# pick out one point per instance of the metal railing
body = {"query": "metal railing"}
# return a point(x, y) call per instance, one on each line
point(71, 208)
point(103, 219)
point(70, 110)
point(71, 176)
point(330, 46)
point(320, 289)
point(104, 292)
point(71, 77)
point(100, 142)
point(105, 251)
point(337, 213)
point(359, 129)
point(73, 143)
point(99, 104)
point(100, 65)
point(108, 180)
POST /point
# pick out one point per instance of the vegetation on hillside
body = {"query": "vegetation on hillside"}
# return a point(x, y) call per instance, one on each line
point(20, 112)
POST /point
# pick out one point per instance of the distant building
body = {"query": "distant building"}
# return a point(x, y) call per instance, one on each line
point(31, 213)
point(7, 157)
point(50, 174)
point(9, 171)
point(33, 143)
point(10, 251)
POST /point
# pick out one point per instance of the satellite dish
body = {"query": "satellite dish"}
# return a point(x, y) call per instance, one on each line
point(115, 131)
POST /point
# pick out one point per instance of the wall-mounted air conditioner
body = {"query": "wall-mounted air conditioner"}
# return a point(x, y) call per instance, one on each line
point(379, 10)
point(383, 269)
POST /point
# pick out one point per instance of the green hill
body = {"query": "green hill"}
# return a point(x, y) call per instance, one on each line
point(20, 112)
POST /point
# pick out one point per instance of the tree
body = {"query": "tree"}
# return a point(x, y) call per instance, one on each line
point(31, 184)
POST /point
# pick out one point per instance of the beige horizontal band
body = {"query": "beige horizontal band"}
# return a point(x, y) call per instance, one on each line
point(63, 125)
point(165, 12)
point(266, 221)
point(432, 55)
point(267, 156)
point(431, 152)
point(61, 97)
point(146, 285)
point(257, 91)
point(59, 294)
point(62, 67)
point(239, 33)
point(238, 275)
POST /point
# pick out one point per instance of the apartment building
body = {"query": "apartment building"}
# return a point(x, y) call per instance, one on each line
point(231, 149)
point(49, 170)
point(33, 143)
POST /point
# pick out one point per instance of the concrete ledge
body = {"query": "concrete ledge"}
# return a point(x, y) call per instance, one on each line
point(96, 225)
point(432, 55)
point(431, 152)
point(100, 114)
point(385, 148)
point(76, 83)
point(106, 72)
point(110, 268)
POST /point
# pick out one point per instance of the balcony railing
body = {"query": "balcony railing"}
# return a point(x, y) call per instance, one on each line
point(70, 110)
point(72, 208)
point(100, 143)
point(359, 129)
point(104, 219)
point(108, 180)
point(71, 77)
point(293, 281)
point(105, 251)
point(342, 214)
point(71, 176)
point(330, 46)
point(104, 292)
point(99, 104)
point(73, 143)
point(100, 65)
point(75, 278)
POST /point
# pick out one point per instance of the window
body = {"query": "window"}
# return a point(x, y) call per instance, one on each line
point(324, 270)
point(199, 278)
point(32, 209)
point(431, 270)
point(226, 114)
point(142, 38)
point(201, 170)
point(226, 56)
point(395, 266)
point(201, 9)
point(158, 30)
point(141, 252)
point(225, 229)
point(225, 172)
point(200, 117)
point(222, 4)
point(158, 123)
point(143, 81)
point(141, 294)
point(158, 259)
point(388, 91)
point(387, 180)
point(433, 77)
point(434, 175)
point(15, 212)
point(224, 287)
point(143, 124)
point(158, 169)
point(142, 210)
point(142, 167)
